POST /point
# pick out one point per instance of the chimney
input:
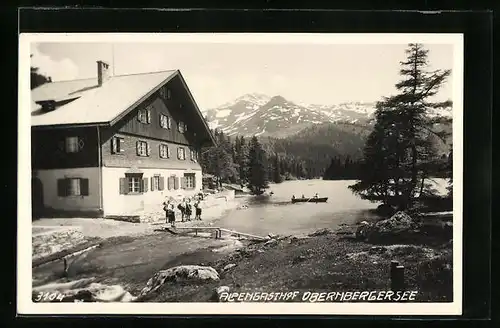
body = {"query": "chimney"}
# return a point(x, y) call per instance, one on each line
point(102, 72)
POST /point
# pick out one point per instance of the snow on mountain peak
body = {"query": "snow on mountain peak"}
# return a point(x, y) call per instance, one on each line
point(256, 113)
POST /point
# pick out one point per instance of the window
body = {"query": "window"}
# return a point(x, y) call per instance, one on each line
point(181, 153)
point(189, 181)
point(72, 187)
point(143, 148)
point(164, 151)
point(192, 155)
point(156, 183)
point(165, 122)
point(117, 145)
point(144, 115)
point(181, 127)
point(165, 93)
point(133, 183)
point(73, 144)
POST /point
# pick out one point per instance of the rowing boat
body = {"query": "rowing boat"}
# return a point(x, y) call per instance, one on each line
point(310, 200)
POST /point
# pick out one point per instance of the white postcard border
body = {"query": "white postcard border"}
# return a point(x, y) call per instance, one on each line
point(24, 277)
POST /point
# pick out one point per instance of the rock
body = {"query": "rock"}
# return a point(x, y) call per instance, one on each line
point(299, 259)
point(363, 230)
point(229, 267)
point(218, 291)
point(377, 250)
point(180, 273)
point(271, 242)
point(399, 226)
point(93, 292)
point(320, 232)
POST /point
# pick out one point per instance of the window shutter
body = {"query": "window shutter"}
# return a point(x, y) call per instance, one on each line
point(62, 187)
point(161, 184)
point(144, 185)
point(84, 187)
point(113, 145)
point(168, 152)
point(148, 149)
point(179, 153)
point(169, 183)
point(138, 147)
point(139, 115)
point(123, 186)
point(183, 182)
point(152, 184)
point(148, 115)
point(176, 183)
point(194, 180)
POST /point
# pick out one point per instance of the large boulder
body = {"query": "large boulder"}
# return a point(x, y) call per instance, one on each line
point(193, 273)
point(83, 290)
point(398, 227)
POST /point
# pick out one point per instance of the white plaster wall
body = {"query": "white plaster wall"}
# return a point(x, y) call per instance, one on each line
point(116, 204)
point(51, 199)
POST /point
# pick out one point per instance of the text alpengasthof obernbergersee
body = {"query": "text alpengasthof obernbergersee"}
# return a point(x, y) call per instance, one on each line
point(367, 296)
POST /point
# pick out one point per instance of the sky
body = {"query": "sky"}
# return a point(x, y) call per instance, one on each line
point(217, 73)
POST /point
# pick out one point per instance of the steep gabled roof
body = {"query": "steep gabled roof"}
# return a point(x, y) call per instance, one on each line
point(94, 104)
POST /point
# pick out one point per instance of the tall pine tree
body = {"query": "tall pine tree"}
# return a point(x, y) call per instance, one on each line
point(398, 150)
point(257, 165)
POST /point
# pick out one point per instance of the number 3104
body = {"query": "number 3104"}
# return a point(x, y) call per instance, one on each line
point(44, 297)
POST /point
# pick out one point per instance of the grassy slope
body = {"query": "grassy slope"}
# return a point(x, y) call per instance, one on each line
point(316, 264)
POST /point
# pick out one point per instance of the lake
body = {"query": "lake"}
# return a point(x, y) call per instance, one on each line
point(276, 214)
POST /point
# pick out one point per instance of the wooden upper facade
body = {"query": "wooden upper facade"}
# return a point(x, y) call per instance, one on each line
point(163, 130)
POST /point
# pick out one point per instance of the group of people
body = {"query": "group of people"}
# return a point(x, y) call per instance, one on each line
point(185, 207)
point(315, 196)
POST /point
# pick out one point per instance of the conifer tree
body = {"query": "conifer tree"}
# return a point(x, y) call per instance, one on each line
point(398, 150)
point(277, 178)
point(257, 164)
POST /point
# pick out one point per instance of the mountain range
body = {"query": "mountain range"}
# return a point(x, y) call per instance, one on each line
point(265, 116)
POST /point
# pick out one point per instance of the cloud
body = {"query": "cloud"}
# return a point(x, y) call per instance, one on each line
point(58, 70)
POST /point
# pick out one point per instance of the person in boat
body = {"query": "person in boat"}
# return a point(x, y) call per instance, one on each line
point(303, 196)
point(316, 196)
point(293, 196)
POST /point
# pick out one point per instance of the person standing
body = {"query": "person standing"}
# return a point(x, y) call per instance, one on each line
point(172, 214)
point(198, 210)
point(182, 208)
point(188, 210)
